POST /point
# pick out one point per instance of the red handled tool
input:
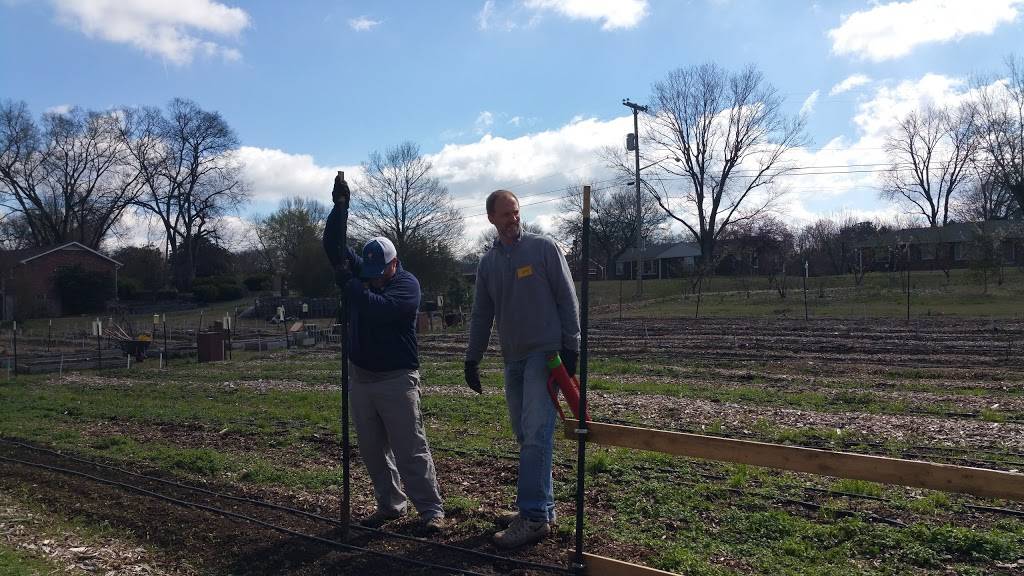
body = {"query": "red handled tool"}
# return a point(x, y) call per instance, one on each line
point(569, 385)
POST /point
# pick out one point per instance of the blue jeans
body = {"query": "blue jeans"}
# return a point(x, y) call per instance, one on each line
point(533, 420)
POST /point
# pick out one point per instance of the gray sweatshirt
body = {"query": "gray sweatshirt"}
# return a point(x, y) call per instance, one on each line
point(528, 289)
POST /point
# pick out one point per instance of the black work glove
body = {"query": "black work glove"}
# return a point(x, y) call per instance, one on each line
point(472, 372)
point(342, 274)
point(570, 358)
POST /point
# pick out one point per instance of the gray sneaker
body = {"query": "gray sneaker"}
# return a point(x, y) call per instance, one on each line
point(434, 525)
point(505, 519)
point(522, 531)
point(380, 518)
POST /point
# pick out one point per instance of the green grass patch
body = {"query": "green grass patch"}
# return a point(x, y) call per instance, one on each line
point(862, 487)
point(20, 563)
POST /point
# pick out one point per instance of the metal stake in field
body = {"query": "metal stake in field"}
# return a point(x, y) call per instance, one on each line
point(806, 268)
point(335, 244)
point(97, 331)
point(908, 282)
point(14, 340)
point(578, 564)
point(167, 357)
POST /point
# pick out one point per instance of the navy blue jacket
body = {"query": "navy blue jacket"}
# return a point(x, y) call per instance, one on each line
point(382, 323)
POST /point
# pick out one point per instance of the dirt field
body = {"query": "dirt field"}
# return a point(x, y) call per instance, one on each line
point(264, 427)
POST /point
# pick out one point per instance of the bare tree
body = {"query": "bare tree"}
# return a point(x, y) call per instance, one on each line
point(612, 219)
point(828, 244)
point(289, 243)
point(398, 198)
point(186, 161)
point(1001, 111)
point(66, 180)
point(931, 153)
point(731, 137)
point(14, 232)
point(985, 199)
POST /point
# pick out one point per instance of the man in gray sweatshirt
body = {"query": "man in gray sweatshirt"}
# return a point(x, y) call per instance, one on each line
point(524, 283)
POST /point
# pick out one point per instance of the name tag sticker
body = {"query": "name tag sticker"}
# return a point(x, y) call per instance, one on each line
point(524, 271)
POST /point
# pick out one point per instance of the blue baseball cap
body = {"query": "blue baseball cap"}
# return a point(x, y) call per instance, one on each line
point(377, 254)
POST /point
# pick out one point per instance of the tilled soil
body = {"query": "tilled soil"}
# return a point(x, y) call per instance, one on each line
point(927, 362)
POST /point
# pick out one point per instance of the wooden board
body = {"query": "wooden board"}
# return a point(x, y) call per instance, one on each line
point(601, 566)
point(961, 479)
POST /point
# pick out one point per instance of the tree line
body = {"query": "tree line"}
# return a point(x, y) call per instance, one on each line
point(717, 143)
point(718, 147)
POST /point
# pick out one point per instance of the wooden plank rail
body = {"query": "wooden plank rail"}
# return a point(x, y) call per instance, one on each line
point(917, 474)
point(601, 566)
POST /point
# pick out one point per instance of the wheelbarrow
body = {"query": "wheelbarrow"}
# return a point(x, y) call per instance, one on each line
point(136, 348)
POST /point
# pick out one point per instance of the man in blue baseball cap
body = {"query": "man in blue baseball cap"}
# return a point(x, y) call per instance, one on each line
point(385, 386)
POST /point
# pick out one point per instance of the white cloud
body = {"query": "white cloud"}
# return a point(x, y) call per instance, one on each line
point(536, 166)
point(484, 122)
point(808, 105)
point(59, 109)
point(275, 175)
point(849, 83)
point(515, 121)
point(892, 30)
point(614, 13)
point(483, 18)
point(880, 115)
point(362, 24)
point(172, 30)
point(843, 175)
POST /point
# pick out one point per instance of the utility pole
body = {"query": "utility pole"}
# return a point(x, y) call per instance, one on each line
point(634, 145)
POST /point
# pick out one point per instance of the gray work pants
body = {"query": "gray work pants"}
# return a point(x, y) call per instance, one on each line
point(386, 411)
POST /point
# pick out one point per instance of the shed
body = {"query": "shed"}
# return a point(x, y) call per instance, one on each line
point(27, 278)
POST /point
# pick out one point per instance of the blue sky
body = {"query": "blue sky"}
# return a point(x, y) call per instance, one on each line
point(518, 93)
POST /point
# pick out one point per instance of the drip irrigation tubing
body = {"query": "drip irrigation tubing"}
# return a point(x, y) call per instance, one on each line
point(482, 555)
point(295, 511)
point(244, 518)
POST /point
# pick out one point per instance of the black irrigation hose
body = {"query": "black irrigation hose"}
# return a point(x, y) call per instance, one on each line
point(295, 511)
point(803, 503)
point(236, 516)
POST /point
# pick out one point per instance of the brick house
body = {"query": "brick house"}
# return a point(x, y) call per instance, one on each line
point(671, 260)
point(945, 247)
point(27, 287)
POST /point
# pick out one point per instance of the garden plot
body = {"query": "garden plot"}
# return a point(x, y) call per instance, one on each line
point(266, 426)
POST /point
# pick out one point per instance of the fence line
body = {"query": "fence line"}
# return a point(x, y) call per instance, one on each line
point(946, 477)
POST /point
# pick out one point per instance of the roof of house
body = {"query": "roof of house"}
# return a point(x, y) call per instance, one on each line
point(959, 232)
point(658, 251)
point(11, 258)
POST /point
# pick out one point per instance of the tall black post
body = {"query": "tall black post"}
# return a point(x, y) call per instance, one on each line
point(167, 356)
point(908, 283)
point(336, 246)
point(14, 338)
point(806, 271)
point(579, 565)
